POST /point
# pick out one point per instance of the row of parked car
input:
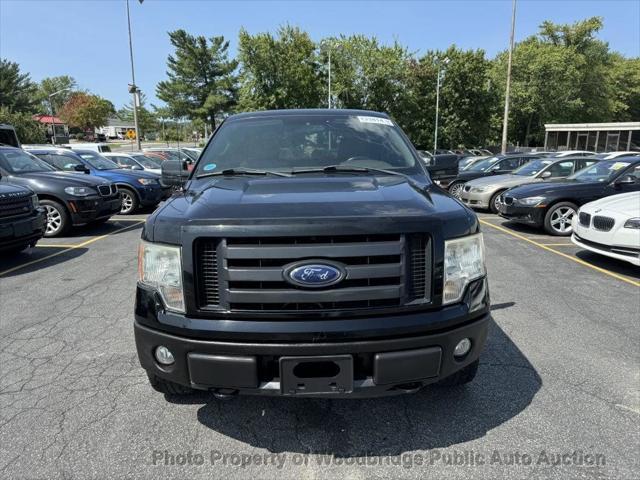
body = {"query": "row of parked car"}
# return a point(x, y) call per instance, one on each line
point(594, 198)
point(46, 190)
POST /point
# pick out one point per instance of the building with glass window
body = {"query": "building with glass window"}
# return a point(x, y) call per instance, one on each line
point(597, 137)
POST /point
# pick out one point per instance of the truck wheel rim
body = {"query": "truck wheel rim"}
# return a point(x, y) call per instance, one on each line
point(127, 203)
point(456, 190)
point(54, 219)
point(561, 219)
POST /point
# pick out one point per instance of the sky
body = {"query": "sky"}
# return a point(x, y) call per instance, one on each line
point(87, 39)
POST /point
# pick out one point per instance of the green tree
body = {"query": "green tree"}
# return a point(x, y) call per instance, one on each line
point(279, 72)
point(17, 92)
point(467, 99)
point(86, 111)
point(27, 129)
point(147, 121)
point(201, 80)
point(51, 85)
point(625, 88)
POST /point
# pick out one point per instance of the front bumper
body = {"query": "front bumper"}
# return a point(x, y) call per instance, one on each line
point(388, 355)
point(475, 199)
point(152, 195)
point(527, 215)
point(621, 245)
point(90, 209)
point(22, 231)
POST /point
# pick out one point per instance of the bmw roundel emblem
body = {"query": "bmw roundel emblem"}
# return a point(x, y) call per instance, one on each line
point(314, 273)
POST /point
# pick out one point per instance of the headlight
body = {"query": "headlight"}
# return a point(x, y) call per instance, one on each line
point(147, 181)
point(463, 263)
point(34, 201)
point(632, 223)
point(79, 191)
point(529, 201)
point(479, 189)
point(160, 267)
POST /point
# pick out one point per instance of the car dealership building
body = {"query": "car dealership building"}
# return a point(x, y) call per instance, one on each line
point(598, 137)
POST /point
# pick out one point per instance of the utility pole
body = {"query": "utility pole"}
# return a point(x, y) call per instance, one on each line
point(440, 78)
point(53, 123)
point(330, 46)
point(133, 89)
point(505, 120)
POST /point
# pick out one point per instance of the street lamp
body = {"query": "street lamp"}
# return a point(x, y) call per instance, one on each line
point(133, 89)
point(505, 119)
point(53, 126)
point(331, 45)
point(441, 71)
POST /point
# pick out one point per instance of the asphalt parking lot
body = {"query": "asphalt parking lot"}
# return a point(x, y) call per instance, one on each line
point(558, 384)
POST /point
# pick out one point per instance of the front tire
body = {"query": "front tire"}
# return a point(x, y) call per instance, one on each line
point(58, 220)
point(130, 201)
point(558, 219)
point(455, 189)
point(466, 375)
point(493, 203)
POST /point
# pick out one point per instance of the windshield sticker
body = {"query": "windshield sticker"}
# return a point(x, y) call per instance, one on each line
point(209, 166)
point(618, 165)
point(378, 120)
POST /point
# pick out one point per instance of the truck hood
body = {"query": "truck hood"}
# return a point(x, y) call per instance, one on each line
point(350, 201)
point(10, 190)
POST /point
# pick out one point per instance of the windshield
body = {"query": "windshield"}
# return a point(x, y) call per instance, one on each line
point(284, 143)
point(19, 161)
point(483, 165)
point(97, 161)
point(531, 168)
point(145, 161)
point(599, 172)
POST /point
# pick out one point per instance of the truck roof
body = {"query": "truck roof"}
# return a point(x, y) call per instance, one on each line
point(307, 111)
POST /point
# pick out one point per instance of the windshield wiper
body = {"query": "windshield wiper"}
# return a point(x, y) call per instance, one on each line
point(346, 169)
point(242, 171)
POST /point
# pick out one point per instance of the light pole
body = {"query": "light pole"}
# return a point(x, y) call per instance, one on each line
point(441, 72)
point(53, 126)
point(331, 45)
point(133, 89)
point(505, 120)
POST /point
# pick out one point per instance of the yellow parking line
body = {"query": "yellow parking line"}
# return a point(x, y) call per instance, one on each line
point(62, 245)
point(79, 245)
point(574, 259)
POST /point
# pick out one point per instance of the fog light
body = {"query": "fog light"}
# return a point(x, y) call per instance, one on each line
point(165, 357)
point(462, 348)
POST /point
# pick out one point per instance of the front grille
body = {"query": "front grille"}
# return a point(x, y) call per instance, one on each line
point(107, 190)
point(603, 223)
point(247, 274)
point(14, 206)
point(585, 219)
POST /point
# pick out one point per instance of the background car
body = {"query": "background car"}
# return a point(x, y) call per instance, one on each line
point(466, 162)
point(137, 188)
point(135, 161)
point(96, 147)
point(570, 153)
point(483, 192)
point(69, 199)
point(610, 227)
point(497, 165)
point(173, 153)
point(553, 205)
point(612, 155)
point(22, 220)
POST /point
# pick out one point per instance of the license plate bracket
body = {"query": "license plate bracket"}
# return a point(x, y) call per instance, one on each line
point(324, 374)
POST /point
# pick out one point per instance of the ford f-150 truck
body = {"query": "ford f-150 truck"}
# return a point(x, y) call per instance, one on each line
point(308, 253)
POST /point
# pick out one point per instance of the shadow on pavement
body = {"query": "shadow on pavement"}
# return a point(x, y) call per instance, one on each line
point(17, 259)
point(97, 229)
point(436, 417)
point(611, 264)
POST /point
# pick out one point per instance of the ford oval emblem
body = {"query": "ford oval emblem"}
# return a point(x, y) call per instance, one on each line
point(314, 274)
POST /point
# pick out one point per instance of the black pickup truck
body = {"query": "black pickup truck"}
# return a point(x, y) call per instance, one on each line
point(22, 220)
point(309, 254)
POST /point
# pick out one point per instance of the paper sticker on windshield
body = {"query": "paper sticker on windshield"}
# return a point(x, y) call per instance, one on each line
point(378, 120)
point(618, 165)
point(209, 166)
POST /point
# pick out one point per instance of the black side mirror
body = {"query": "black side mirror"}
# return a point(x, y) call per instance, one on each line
point(81, 168)
point(174, 173)
point(625, 180)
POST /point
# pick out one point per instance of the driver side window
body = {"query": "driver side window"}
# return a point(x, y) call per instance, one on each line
point(561, 169)
point(63, 162)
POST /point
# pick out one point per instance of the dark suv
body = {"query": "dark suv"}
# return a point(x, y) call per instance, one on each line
point(68, 198)
point(22, 221)
point(309, 254)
